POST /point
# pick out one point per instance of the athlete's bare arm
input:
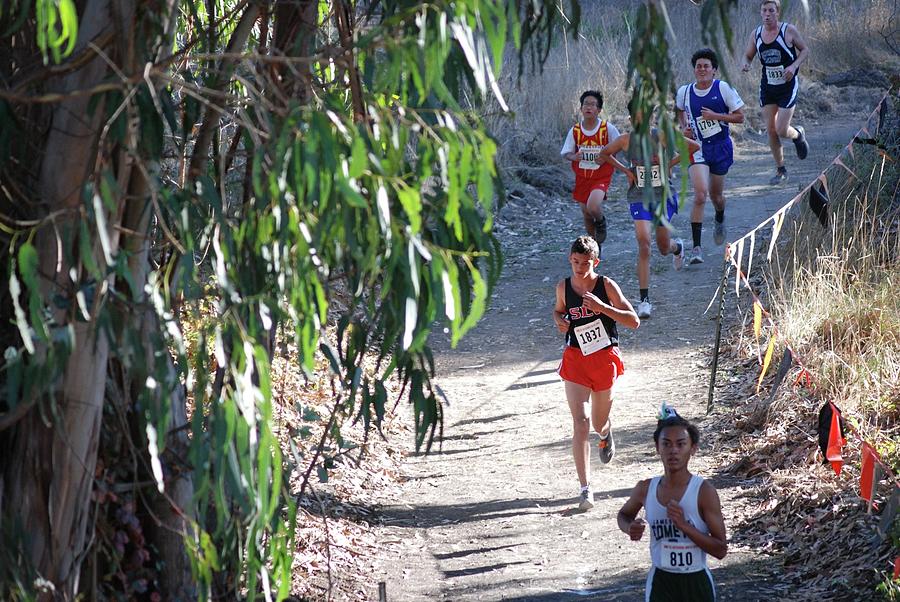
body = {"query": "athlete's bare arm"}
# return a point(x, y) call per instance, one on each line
point(792, 36)
point(750, 53)
point(618, 308)
point(736, 116)
point(627, 517)
point(711, 512)
point(607, 154)
point(559, 308)
point(693, 147)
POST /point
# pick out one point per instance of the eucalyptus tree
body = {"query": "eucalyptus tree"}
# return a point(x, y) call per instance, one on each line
point(291, 166)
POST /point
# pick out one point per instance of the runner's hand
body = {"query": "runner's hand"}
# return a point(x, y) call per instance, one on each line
point(636, 529)
point(688, 132)
point(593, 302)
point(789, 74)
point(709, 114)
point(675, 514)
point(562, 325)
point(745, 66)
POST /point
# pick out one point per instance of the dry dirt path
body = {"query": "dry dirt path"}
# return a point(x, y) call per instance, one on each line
point(492, 516)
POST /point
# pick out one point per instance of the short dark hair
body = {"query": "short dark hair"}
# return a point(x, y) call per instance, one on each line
point(705, 53)
point(677, 421)
point(595, 94)
point(585, 245)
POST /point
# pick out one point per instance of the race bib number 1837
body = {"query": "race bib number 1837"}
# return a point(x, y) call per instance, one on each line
point(592, 337)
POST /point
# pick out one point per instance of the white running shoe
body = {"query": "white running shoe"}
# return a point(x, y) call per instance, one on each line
point(696, 256)
point(678, 258)
point(643, 309)
point(586, 498)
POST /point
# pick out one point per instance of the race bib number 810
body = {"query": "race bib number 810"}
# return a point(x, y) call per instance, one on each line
point(679, 557)
point(592, 337)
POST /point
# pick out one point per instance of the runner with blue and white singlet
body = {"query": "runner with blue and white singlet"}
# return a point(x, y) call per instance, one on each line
point(684, 514)
point(705, 109)
point(781, 50)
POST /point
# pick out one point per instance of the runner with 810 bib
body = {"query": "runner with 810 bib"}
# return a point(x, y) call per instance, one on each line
point(684, 514)
point(588, 307)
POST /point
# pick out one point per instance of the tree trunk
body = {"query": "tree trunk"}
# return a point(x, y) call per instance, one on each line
point(50, 455)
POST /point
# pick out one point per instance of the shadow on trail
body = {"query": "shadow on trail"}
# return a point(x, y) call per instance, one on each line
point(483, 550)
point(487, 419)
point(431, 516)
point(742, 582)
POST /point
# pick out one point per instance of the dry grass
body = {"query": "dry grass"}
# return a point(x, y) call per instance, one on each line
point(832, 294)
point(545, 104)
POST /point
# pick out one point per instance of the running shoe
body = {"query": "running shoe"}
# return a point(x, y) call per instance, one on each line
point(719, 232)
point(586, 501)
point(696, 256)
point(644, 308)
point(678, 258)
point(607, 446)
point(800, 143)
point(780, 176)
point(600, 229)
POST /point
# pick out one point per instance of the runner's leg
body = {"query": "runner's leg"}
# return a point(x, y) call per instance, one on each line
point(699, 173)
point(601, 403)
point(642, 234)
point(783, 123)
point(577, 395)
point(664, 241)
point(717, 191)
point(769, 114)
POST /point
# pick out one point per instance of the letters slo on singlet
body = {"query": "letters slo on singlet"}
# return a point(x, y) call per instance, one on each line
point(641, 176)
point(589, 154)
point(592, 337)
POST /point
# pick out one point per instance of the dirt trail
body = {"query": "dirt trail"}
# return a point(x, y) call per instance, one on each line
point(493, 515)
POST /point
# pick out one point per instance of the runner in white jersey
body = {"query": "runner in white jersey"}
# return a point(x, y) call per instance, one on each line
point(705, 110)
point(685, 518)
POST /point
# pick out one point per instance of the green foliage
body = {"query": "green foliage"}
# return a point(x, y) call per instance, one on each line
point(366, 208)
point(57, 28)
